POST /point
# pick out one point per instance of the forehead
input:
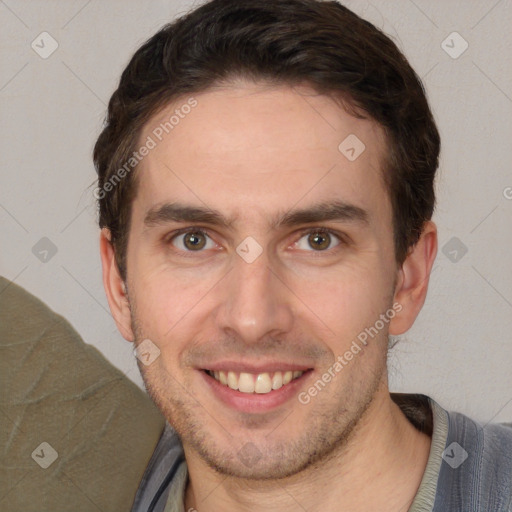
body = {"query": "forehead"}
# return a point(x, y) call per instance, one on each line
point(253, 149)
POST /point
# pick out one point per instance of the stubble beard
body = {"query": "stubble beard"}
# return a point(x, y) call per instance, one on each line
point(323, 439)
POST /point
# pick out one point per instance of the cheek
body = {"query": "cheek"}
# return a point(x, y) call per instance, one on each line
point(166, 304)
point(345, 299)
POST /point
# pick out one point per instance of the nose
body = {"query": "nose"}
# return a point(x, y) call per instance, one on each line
point(256, 302)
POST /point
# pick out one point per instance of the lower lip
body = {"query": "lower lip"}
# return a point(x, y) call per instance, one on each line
point(255, 402)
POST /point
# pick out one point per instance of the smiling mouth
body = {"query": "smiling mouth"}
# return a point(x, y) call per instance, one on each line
point(260, 383)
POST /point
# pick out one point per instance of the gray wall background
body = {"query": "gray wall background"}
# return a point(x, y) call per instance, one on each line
point(460, 349)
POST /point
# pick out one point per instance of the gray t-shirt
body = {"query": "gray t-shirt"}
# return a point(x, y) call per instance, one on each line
point(469, 468)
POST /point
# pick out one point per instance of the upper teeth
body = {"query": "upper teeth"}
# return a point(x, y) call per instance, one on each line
point(255, 383)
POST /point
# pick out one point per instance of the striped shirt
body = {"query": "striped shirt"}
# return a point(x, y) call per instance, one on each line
point(469, 468)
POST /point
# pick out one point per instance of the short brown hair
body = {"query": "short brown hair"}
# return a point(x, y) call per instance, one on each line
point(286, 42)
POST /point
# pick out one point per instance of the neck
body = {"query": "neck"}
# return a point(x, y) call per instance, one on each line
point(384, 453)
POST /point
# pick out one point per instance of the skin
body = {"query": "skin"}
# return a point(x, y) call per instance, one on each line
point(254, 152)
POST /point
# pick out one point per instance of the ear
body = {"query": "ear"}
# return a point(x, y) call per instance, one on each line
point(115, 287)
point(412, 282)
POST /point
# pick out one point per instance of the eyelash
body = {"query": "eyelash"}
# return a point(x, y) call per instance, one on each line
point(321, 230)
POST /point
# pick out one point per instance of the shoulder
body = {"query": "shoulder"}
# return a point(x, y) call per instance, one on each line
point(489, 446)
point(476, 471)
point(45, 365)
point(161, 470)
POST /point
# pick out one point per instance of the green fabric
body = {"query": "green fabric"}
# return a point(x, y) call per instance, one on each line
point(54, 388)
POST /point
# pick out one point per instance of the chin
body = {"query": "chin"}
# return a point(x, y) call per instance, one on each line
point(249, 463)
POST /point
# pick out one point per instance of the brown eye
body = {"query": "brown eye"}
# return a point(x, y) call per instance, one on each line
point(319, 240)
point(193, 240)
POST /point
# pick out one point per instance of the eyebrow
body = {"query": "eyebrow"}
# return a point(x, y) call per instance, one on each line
point(326, 211)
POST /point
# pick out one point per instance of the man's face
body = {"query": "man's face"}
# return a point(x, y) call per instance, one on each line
point(211, 302)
